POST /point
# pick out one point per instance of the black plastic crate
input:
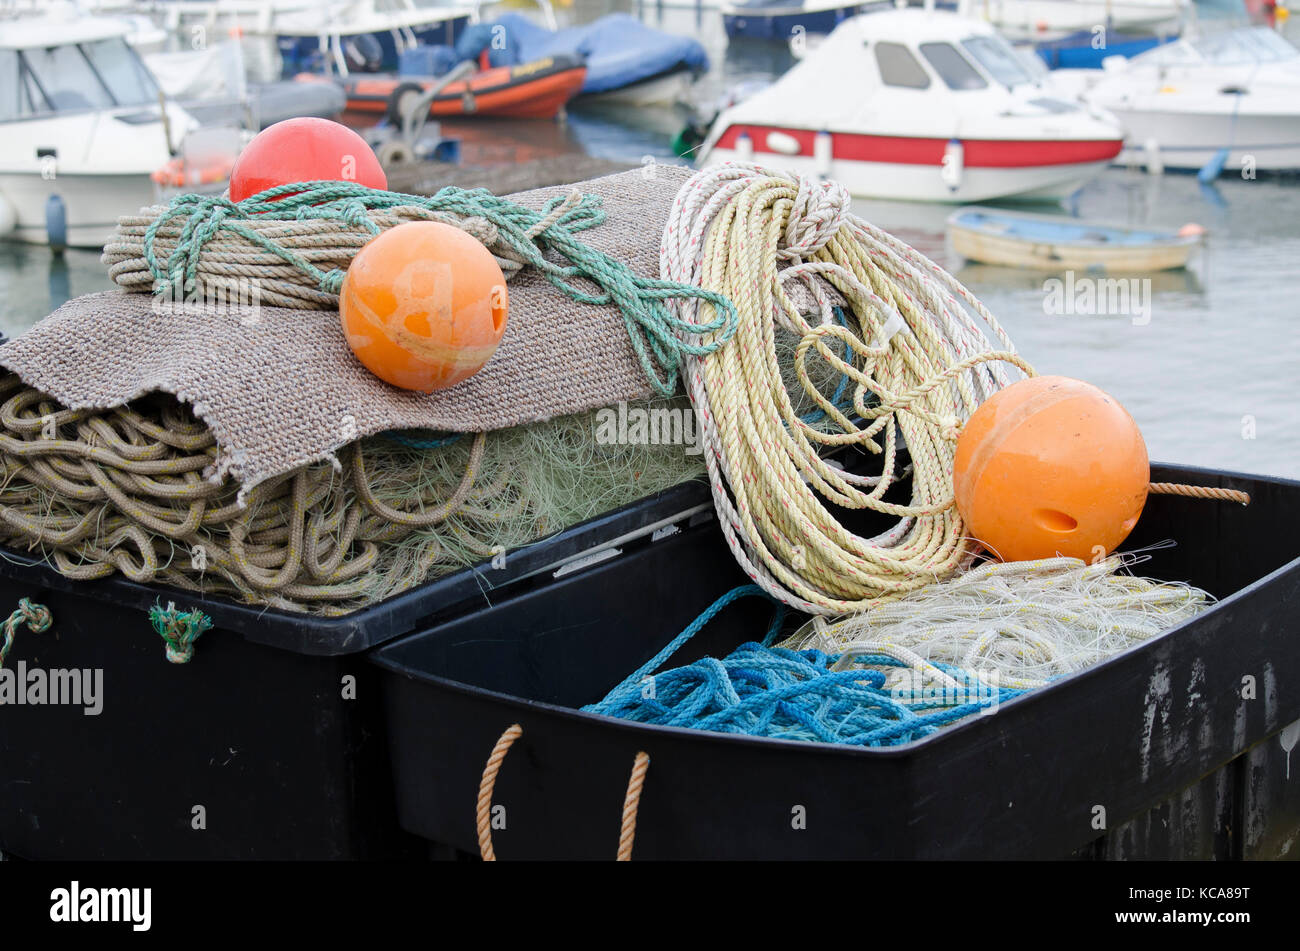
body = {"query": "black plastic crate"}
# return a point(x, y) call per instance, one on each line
point(256, 729)
point(1155, 753)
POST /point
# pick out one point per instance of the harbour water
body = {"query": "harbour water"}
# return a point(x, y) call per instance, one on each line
point(1207, 360)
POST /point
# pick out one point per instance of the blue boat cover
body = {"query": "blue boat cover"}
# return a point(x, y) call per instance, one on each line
point(1077, 52)
point(619, 49)
point(427, 60)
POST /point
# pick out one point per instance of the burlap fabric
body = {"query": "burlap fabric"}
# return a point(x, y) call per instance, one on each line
point(285, 390)
point(282, 389)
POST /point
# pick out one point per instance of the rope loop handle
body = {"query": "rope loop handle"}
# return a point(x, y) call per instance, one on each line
point(631, 805)
point(37, 617)
point(483, 811)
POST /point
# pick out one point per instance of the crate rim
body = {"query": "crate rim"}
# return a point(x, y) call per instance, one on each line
point(357, 631)
point(390, 620)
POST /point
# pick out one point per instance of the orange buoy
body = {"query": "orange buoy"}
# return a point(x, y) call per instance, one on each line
point(423, 305)
point(1051, 466)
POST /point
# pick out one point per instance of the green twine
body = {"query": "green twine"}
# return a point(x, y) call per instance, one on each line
point(35, 616)
point(179, 629)
point(404, 438)
point(659, 337)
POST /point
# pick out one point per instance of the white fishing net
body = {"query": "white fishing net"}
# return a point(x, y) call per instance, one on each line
point(1024, 623)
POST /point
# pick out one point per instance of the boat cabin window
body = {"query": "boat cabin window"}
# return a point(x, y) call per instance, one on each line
point(953, 68)
point(998, 59)
point(898, 67)
point(102, 74)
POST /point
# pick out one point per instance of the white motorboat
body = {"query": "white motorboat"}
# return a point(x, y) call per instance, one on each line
point(1230, 98)
point(922, 105)
point(396, 25)
point(84, 126)
point(1054, 19)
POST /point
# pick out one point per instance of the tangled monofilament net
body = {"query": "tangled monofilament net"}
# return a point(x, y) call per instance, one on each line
point(1029, 622)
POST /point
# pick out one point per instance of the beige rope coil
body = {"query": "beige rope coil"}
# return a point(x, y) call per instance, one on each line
point(483, 811)
point(233, 266)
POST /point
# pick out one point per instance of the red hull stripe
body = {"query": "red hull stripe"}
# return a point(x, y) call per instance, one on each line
point(909, 150)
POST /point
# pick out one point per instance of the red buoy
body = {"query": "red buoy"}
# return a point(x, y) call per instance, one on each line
point(306, 149)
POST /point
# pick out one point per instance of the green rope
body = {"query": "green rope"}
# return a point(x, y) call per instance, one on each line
point(659, 337)
point(179, 629)
point(35, 616)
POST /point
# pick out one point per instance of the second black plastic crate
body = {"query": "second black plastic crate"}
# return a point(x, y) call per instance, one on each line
point(1172, 749)
point(268, 744)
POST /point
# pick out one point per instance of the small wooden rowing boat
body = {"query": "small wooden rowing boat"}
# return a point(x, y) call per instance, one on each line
point(536, 90)
point(1048, 243)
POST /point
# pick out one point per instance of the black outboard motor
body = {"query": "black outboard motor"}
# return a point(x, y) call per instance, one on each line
point(364, 53)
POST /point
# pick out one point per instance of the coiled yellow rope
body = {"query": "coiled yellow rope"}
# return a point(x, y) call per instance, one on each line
point(920, 365)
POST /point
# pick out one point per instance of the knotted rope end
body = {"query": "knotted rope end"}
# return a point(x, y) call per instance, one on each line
point(179, 630)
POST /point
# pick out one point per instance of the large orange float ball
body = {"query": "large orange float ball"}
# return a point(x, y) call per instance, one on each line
point(305, 149)
point(1050, 466)
point(423, 305)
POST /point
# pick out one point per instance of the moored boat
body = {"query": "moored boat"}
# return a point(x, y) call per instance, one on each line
point(1053, 243)
point(332, 30)
point(942, 110)
point(1053, 19)
point(212, 85)
point(83, 131)
point(781, 19)
point(536, 90)
point(627, 61)
point(1231, 99)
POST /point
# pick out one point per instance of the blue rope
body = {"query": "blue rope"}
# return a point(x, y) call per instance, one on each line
point(759, 690)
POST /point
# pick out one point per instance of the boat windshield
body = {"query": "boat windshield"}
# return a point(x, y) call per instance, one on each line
point(953, 68)
point(998, 58)
point(74, 77)
point(1258, 45)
